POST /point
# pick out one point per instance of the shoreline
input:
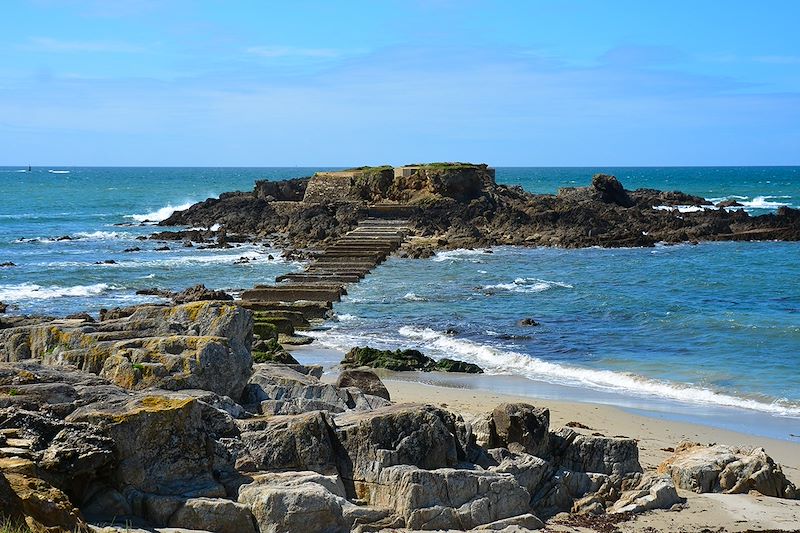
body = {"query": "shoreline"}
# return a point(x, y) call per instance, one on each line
point(479, 393)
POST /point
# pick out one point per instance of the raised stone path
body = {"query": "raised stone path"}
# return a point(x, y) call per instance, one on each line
point(313, 291)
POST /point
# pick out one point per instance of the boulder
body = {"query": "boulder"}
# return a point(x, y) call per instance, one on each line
point(448, 498)
point(453, 365)
point(296, 501)
point(529, 471)
point(45, 507)
point(199, 345)
point(519, 427)
point(3, 307)
point(403, 434)
point(292, 442)
point(728, 469)
point(162, 444)
point(213, 514)
point(652, 492)
point(397, 360)
point(278, 389)
point(363, 380)
point(596, 454)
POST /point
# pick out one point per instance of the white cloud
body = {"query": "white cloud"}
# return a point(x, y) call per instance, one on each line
point(48, 44)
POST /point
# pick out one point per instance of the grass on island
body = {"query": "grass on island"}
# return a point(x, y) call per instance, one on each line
point(7, 526)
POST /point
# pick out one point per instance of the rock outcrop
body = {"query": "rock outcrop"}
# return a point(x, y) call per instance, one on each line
point(728, 469)
point(402, 360)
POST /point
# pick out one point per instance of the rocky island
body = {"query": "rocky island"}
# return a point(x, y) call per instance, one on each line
point(459, 205)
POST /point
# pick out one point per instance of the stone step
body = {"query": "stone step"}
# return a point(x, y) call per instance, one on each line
point(310, 310)
point(363, 260)
point(341, 278)
point(292, 294)
point(306, 285)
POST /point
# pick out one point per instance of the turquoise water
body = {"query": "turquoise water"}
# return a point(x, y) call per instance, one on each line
point(716, 324)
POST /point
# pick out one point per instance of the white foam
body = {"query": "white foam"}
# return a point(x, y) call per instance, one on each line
point(345, 317)
point(528, 285)
point(58, 171)
point(411, 297)
point(32, 291)
point(160, 214)
point(764, 202)
point(456, 255)
point(500, 361)
point(683, 208)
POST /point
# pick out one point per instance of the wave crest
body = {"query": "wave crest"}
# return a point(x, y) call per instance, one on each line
point(160, 214)
point(32, 291)
point(528, 285)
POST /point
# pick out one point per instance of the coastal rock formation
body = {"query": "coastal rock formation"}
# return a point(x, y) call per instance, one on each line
point(459, 205)
point(363, 380)
point(200, 345)
point(401, 360)
point(720, 468)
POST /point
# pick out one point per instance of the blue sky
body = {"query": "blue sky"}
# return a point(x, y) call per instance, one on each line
point(537, 82)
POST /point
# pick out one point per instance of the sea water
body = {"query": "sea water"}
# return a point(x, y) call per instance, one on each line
point(711, 328)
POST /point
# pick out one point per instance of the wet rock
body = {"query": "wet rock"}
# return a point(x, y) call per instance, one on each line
point(130, 250)
point(86, 317)
point(729, 203)
point(365, 381)
point(3, 307)
point(452, 365)
point(7, 264)
point(527, 322)
point(728, 469)
point(106, 262)
point(397, 360)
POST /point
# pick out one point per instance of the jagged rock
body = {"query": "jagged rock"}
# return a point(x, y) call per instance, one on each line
point(527, 322)
point(162, 444)
point(453, 365)
point(448, 498)
point(609, 190)
point(3, 307)
point(199, 345)
point(296, 501)
point(520, 427)
point(199, 293)
point(365, 381)
point(213, 514)
point(293, 442)
point(529, 471)
point(560, 492)
point(404, 434)
point(590, 453)
point(728, 469)
point(278, 389)
point(652, 492)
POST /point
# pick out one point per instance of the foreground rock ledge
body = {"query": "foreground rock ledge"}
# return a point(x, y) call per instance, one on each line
point(291, 453)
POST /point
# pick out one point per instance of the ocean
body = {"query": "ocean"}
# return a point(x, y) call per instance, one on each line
point(683, 330)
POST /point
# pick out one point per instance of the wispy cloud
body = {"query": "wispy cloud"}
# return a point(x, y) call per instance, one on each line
point(291, 51)
point(48, 44)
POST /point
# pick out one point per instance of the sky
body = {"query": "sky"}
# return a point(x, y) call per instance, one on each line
point(307, 83)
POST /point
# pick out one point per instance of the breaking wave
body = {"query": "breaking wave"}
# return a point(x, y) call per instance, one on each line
point(160, 214)
point(32, 291)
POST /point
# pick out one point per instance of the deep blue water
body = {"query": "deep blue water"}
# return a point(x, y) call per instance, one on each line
point(717, 323)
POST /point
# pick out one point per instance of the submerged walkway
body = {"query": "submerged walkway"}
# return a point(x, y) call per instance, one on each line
point(313, 291)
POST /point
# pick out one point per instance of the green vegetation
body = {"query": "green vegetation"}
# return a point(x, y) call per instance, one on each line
point(8, 526)
point(452, 365)
point(449, 166)
point(265, 330)
point(370, 169)
point(138, 366)
point(13, 392)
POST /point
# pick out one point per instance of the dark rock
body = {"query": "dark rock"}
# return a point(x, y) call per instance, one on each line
point(162, 249)
point(200, 293)
point(86, 317)
point(161, 293)
point(397, 360)
point(527, 322)
point(106, 262)
point(7, 264)
point(3, 307)
point(134, 249)
point(365, 381)
point(270, 351)
point(452, 365)
point(64, 238)
point(729, 203)
point(609, 190)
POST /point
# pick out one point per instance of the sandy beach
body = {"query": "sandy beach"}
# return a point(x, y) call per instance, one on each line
point(656, 438)
point(713, 512)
